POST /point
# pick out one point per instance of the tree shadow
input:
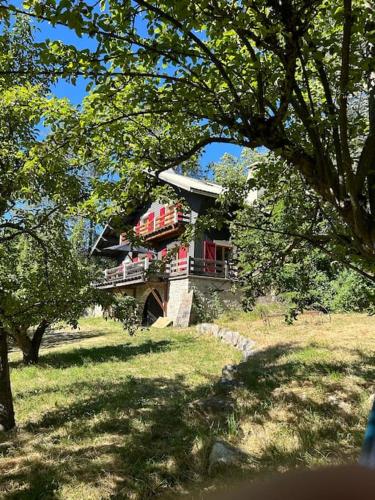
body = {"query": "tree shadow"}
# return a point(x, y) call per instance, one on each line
point(144, 437)
point(329, 430)
point(86, 355)
point(55, 338)
point(148, 435)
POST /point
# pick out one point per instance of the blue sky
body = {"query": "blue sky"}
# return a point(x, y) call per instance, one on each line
point(75, 93)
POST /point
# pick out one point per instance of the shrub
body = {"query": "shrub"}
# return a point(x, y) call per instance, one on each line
point(126, 310)
point(350, 292)
point(206, 306)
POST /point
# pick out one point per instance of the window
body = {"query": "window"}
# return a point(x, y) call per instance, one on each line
point(222, 253)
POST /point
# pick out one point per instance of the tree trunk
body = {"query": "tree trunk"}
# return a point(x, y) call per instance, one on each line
point(31, 356)
point(7, 421)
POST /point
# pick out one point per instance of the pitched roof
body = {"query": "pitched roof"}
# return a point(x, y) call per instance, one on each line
point(206, 188)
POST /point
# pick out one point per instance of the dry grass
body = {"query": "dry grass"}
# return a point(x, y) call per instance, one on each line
point(307, 390)
point(108, 416)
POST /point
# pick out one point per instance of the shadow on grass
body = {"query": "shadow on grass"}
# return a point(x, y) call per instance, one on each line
point(86, 355)
point(143, 437)
point(55, 338)
point(141, 431)
point(329, 430)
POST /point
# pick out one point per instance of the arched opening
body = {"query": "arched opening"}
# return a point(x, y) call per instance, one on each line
point(153, 308)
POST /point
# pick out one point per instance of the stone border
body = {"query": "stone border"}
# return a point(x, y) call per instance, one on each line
point(230, 337)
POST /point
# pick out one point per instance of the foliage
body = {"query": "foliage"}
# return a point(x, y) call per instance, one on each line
point(206, 306)
point(46, 281)
point(41, 184)
point(39, 176)
point(278, 229)
point(351, 294)
point(172, 77)
point(125, 309)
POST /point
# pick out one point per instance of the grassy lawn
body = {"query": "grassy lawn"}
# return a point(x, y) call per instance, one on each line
point(109, 416)
point(308, 390)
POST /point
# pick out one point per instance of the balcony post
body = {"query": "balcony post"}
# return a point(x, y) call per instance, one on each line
point(146, 264)
point(105, 274)
point(226, 270)
point(124, 269)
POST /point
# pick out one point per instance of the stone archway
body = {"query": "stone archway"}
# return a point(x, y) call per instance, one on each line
point(153, 308)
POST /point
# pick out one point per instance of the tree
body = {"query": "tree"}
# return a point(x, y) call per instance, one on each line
point(43, 285)
point(274, 231)
point(172, 77)
point(39, 178)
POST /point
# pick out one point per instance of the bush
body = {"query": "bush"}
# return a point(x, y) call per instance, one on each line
point(126, 310)
point(206, 306)
point(350, 292)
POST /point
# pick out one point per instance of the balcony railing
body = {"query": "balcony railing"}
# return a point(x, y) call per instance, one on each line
point(173, 218)
point(140, 272)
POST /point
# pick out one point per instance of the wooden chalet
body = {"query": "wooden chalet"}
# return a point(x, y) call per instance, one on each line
point(163, 273)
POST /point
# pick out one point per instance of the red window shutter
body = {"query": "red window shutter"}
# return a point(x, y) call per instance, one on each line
point(150, 255)
point(209, 249)
point(136, 259)
point(138, 228)
point(150, 222)
point(162, 217)
point(163, 253)
point(182, 257)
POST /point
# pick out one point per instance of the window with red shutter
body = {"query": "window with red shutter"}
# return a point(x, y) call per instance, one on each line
point(209, 251)
point(182, 258)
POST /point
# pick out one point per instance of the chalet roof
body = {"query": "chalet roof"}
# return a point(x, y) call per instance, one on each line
point(191, 184)
point(107, 240)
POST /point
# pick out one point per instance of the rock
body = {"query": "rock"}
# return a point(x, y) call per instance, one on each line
point(202, 328)
point(248, 353)
point(223, 454)
point(241, 342)
point(229, 372)
point(229, 384)
point(213, 405)
point(235, 338)
point(227, 337)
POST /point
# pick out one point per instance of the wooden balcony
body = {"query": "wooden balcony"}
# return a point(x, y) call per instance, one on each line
point(140, 272)
point(167, 224)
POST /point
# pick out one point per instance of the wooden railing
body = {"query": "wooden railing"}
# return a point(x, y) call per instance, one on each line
point(137, 272)
point(161, 223)
point(206, 267)
point(173, 217)
point(126, 273)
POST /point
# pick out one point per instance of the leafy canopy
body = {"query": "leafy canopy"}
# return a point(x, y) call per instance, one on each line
point(286, 240)
point(172, 77)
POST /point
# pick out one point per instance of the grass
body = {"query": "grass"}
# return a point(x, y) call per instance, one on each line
point(307, 390)
point(110, 416)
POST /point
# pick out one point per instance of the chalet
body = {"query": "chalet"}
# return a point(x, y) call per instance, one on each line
point(163, 274)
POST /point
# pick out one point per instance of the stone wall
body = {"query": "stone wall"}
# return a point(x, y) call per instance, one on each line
point(230, 337)
point(228, 295)
point(178, 288)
